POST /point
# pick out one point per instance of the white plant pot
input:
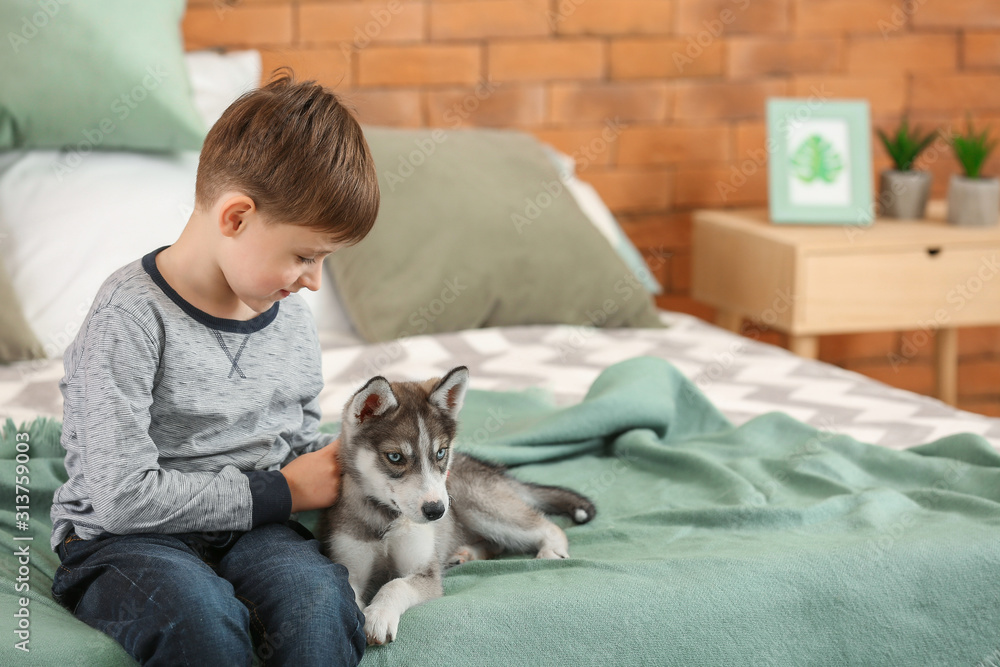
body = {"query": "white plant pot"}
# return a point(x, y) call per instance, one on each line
point(904, 194)
point(973, 202)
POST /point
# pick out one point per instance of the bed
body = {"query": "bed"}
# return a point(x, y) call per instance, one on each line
point(753, 507)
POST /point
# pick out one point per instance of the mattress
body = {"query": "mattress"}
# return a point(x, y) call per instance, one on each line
point(742, 377)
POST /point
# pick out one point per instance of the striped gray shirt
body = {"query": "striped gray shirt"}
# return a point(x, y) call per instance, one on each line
point(175, 420)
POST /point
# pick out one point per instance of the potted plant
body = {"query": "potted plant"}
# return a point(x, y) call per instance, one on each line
point(904, 191)
point(972, 199)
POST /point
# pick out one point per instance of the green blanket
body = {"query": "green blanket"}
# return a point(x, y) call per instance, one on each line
point(768, 544)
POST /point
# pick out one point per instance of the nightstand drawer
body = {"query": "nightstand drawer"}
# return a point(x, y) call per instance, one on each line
point(899, 288)
point(808, 281)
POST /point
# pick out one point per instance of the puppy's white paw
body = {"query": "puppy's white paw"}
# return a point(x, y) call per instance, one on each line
point(463, 555)
point(552, 554)
point(470, 552)
point(381, 625)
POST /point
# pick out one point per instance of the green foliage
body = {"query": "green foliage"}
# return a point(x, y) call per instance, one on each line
point(906, 145)
point(972, 149)
point(816, 159)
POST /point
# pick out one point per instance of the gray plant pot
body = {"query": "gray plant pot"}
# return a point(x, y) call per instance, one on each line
point(973, 202)
point(904, 194)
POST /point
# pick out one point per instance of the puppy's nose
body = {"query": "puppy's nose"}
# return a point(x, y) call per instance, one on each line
point(433, 511)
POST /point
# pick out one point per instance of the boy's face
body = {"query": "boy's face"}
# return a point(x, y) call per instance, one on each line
point(266, 262)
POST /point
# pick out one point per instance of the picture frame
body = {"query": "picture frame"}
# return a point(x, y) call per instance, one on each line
point(820, 162)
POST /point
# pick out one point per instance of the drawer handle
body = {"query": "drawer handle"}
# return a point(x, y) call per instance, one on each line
point(933, 251)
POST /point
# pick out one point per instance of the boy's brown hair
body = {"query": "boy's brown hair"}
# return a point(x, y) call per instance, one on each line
point(299, 153)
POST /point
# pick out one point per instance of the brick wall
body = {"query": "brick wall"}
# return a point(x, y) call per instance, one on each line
point(660, 101)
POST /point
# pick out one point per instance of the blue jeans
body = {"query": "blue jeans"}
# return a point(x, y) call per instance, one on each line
point(225, 598)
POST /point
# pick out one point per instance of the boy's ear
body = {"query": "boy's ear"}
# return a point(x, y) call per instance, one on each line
point(232, 212)
point(449, 393)
point(372, 400)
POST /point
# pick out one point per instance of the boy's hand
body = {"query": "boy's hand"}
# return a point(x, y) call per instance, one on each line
point(314, 478)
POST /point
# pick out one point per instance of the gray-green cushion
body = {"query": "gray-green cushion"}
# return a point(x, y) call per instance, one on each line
point(17, 341)
point(475, 229)
point(97, 74)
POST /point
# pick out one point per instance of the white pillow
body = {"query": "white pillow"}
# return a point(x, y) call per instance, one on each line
point(66, 230)
point(217, 79)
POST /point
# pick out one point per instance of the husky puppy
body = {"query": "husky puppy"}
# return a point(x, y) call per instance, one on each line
point(409, 506)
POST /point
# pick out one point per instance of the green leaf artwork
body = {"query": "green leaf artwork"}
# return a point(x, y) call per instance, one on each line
point(816, 159)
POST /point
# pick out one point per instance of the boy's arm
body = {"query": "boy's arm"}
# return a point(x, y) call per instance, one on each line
point(309, 438)
point(130, 492)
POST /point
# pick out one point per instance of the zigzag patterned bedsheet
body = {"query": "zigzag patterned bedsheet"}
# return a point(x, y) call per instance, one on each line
point(744, 378)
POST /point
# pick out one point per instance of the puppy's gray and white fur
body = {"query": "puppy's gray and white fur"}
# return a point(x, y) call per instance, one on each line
point(409, 506)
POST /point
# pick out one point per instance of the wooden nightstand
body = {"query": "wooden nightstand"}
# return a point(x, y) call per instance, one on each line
point(808, 280)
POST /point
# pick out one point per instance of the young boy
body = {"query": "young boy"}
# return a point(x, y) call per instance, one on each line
point(191, 413)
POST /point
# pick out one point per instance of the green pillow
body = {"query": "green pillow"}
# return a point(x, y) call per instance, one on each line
point(94, 75)
point(475, 229)
point(17, 341)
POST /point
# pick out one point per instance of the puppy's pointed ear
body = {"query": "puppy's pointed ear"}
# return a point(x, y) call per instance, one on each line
point(450, 391)
point(372, 400)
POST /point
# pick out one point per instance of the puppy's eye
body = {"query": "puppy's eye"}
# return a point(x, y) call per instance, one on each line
point(441, 453)
point(394, 457)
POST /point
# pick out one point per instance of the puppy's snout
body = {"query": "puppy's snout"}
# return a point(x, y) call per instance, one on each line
point(433, 511)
